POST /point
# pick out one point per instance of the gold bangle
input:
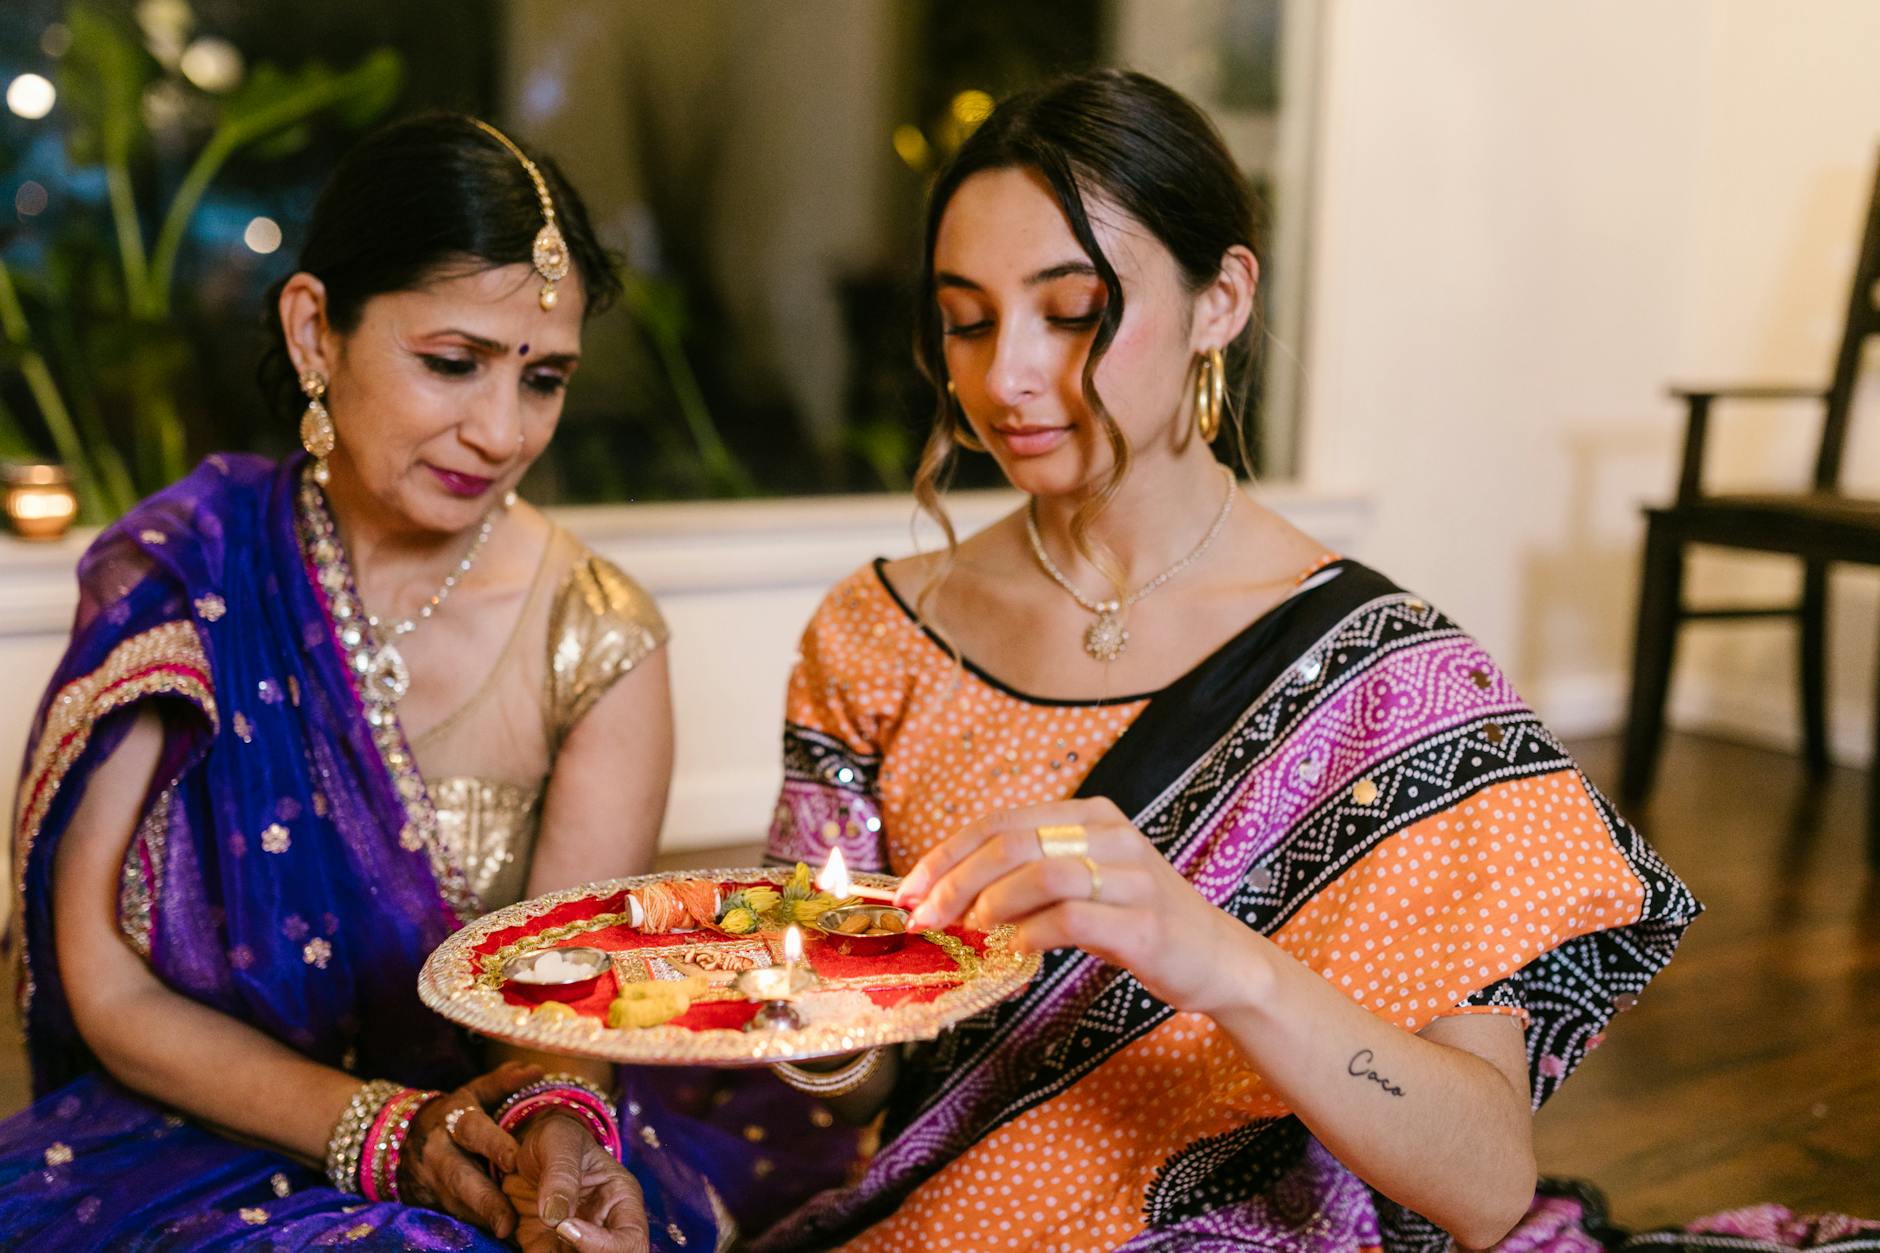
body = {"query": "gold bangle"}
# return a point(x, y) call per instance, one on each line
point(843, 1079)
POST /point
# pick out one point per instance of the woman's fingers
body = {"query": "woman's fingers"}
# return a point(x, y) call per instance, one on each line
point(1013, 823)
point(466, 1191)
point(1103, 932)
point(561, 1142)
point(473, 1130)
point(1054, 880)
point(587, 1236)
point(503, 1082)
point(1000, 854)
point(613, 1215)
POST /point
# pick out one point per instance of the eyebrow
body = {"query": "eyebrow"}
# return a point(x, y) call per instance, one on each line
point(1051, 273)
point(485, 344)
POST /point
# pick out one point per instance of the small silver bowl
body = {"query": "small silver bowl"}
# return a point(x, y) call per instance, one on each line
point(519, 974)
point(830, 924)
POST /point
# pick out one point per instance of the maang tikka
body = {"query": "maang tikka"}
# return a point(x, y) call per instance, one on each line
point(550, 254)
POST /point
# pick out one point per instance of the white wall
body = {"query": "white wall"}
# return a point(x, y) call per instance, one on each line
point(736, 583)
point(1530, 219)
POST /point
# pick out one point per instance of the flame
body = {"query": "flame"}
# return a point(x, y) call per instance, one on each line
point(792, 946)
point(834, 877)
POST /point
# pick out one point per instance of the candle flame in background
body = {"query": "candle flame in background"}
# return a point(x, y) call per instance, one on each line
point(834, 877)
point(792, 946)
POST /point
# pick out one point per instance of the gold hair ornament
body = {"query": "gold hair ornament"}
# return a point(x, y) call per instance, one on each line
point(550, 254)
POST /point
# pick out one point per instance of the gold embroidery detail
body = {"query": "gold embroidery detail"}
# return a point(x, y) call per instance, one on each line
point(144, 665)
point(138, 891)
point(359, 1232)
point(58, 1153)
point(333, 583)
point(254, 1216)
point(317, 953)
point(1364, 791)
point(244, 729)
point(601, 625)
point(275, 839)
point(280, 1183)
point(210, 608)
point(153, 537)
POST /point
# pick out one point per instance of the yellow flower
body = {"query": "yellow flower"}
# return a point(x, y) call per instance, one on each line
point(739, 921)
point(799, 884)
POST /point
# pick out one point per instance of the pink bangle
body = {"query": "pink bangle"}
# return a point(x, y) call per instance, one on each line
point(594, 1113)
point(385, 1142)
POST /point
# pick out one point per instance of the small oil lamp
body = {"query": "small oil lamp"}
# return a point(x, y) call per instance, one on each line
point(39, 501)
point(775, 987)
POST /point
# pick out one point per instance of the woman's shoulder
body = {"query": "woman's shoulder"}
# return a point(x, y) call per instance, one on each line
point(596, 602)
point(601, 625)
point(864, 598)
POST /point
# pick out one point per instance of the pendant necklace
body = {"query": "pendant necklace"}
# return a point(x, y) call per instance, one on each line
point(1107, 637)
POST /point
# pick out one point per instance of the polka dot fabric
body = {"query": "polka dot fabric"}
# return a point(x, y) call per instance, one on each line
point(1424, 922)
point(1465, 898)
point(953, 747)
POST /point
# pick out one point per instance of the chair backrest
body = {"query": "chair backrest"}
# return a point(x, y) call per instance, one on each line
point(1863, 319)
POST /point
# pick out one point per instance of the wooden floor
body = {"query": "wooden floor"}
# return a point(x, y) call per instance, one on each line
point(1750, 1070)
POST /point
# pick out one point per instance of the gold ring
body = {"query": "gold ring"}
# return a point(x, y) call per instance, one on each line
point(1096, 880)
point(1065, 840)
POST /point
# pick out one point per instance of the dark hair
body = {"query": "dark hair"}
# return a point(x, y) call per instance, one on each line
point(429, 195)
point(1132, 141)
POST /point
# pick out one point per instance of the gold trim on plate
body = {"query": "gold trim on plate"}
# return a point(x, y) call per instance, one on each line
point(453, 982)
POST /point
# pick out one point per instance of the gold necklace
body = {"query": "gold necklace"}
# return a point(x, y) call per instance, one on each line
point(384, 677)
point(1107, 637)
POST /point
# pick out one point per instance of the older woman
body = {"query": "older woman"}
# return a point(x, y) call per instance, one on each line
point(312, 717)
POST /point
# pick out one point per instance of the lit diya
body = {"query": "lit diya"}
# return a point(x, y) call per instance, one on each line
point(775, 987)
point(864, 930)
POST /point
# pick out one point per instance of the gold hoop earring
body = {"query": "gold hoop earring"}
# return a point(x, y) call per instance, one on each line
point(1210, 393)
point(962, 432)
point(317, 435)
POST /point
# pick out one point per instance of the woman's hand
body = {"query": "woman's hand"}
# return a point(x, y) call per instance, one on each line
point(568, 1188)
point(1125, 905)
point(436, 1168)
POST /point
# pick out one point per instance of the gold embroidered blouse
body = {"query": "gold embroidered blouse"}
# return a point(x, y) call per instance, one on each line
point(601, 624)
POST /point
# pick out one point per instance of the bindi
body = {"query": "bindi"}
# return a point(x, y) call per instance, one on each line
point(523, 351)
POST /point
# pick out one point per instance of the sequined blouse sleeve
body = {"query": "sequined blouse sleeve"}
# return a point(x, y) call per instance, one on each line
point(601, 625)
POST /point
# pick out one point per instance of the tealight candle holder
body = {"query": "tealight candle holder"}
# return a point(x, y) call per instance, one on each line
point(38, 500)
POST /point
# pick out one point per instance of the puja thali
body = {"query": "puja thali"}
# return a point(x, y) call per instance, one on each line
point(672, 969)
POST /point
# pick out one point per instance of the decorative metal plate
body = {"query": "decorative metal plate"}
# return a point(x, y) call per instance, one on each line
point(912, 995)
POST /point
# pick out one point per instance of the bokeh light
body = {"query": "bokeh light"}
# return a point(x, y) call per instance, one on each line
point(263, 235)
point(31, 95)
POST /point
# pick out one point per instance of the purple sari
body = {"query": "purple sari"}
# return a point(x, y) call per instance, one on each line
point(283, 874)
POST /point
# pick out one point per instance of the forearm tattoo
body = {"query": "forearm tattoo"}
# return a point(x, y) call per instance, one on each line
point(1359, 1067)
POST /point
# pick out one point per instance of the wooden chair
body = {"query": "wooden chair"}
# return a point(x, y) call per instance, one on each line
point(1821, 526)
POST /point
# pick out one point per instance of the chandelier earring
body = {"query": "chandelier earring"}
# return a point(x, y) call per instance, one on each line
point(962, 430)
point(317, 435)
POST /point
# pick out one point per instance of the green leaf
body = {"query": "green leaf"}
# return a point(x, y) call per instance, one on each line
point(101, 81)
point(285, 144)
point(377, 81)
